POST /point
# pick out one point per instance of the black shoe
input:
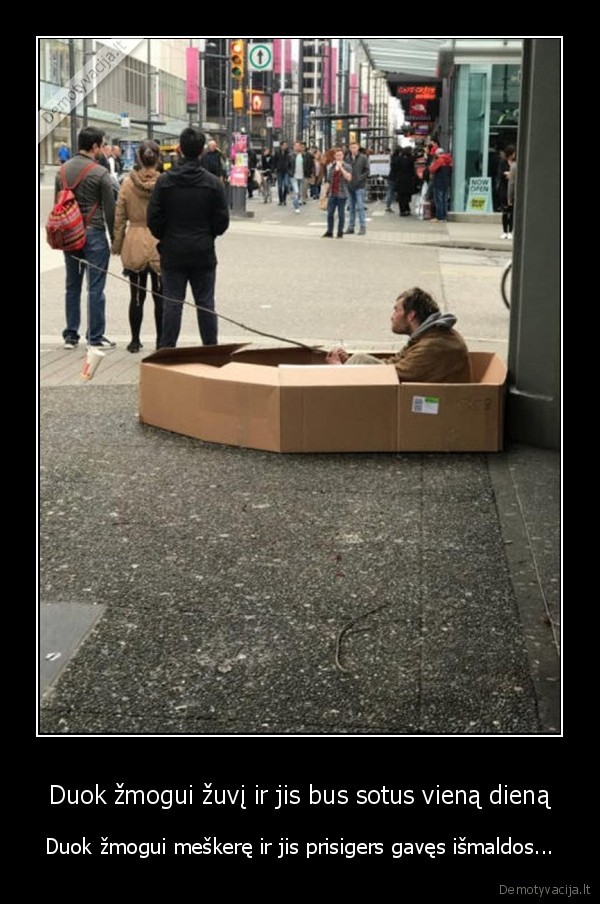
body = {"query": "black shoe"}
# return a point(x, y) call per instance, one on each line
point(340, 235)
point(327, 235)
point(104, 343)
point(349, 231)
point(71, 342)
point(134, 346)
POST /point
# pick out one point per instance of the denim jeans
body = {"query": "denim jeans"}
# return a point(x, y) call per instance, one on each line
point(283, 186)
point(391, 193)
point(202, 283)
point(97, 252)
point(440, 198)
point(297, 188)
point(333, 203)
point(356, 199)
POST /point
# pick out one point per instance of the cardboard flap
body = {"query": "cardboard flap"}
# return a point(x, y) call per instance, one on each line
point(326, 375)
point(272, 357)
point(215, 355)
point(252, 374)
point(487, 367)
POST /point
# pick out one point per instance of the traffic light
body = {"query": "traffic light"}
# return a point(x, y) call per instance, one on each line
point(258, 102)
point(237, 52)
point(237, 96)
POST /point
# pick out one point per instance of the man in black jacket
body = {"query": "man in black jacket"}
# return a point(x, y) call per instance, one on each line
point(187, 211)
point(282, 165)
point(212, 160)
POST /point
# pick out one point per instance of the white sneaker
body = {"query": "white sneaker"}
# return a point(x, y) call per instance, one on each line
point(297, 210)
point(503, 235)
point(509, 235)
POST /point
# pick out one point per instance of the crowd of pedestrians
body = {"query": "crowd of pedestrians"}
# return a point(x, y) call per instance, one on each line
point(164, 224)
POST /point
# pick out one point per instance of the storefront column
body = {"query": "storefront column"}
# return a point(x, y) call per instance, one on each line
point(534, 354)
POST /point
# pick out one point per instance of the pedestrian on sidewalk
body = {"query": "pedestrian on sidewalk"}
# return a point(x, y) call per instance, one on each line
point(136, 244)
point(359, 164)
point(441, 176)
point(187, 211)
point(94, 193)
point(337, 178)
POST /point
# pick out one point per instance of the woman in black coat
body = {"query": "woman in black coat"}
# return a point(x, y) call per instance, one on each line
point(402, 172)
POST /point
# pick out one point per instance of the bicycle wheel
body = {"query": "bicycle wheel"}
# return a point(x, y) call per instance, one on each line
point(506, 284)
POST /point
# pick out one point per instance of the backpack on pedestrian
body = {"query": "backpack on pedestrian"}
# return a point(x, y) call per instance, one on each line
point(66, 225)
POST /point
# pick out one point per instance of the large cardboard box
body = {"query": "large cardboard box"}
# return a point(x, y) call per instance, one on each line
point(288, 400)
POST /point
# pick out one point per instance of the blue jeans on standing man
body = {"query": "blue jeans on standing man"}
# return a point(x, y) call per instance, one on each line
point(97, 252)
point(335, 203)
point(202, 283)
point(390, 194)
point(356, 200)
point(283, 186)
point(440, 198)
point(297, 189)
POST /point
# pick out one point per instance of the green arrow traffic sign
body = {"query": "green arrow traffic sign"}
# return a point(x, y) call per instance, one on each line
point(260, 57)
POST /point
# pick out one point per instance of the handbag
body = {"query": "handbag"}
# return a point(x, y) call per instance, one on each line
point(323, 203)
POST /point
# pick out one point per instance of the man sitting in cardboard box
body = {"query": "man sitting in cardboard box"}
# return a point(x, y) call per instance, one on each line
point(435, 352)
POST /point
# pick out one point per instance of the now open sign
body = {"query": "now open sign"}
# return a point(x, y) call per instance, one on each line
point(479, 199)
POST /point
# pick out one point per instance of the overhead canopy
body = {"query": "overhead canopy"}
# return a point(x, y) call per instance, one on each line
point(400, 59)
point(410, 57)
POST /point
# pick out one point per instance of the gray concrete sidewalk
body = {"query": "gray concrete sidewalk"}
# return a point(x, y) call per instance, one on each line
point(240, 592)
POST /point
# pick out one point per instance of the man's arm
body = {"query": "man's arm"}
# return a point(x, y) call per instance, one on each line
point(413, 363)
point(155, 217)
point(220, 218)
point(108, 202)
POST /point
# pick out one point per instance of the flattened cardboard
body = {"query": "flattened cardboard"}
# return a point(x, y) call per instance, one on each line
point(286, 400)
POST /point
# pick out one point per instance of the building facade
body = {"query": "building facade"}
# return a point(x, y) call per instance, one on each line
point(148, 86)
point(480, 113)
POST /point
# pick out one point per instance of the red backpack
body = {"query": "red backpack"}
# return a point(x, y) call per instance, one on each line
point(66, 225)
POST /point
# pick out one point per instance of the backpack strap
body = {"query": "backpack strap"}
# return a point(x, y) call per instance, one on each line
point(83, 172)
point(88, 219)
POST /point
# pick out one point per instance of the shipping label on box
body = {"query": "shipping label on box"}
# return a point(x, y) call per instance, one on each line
point(425, 405)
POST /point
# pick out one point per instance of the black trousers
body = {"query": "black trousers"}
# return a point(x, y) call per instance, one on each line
point(137, 284)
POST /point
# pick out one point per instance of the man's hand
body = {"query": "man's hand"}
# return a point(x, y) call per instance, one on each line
point(337, 356)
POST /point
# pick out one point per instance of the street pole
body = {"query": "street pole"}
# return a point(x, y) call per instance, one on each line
point(301, 89)
point(190, 114)
point(85, 45)
point(149, 93)
point(368, 100)
point(73, 116)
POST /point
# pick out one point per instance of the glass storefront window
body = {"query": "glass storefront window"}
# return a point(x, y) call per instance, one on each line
point(486, 120)
point(504, 106)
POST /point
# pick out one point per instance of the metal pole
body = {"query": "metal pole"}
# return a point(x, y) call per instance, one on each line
point(149, 92)
point(300, 132)
point(190, 115)
point(339, 94)
point(368, 97)
point(73, 116)
point(202, 98)
point(85, 43)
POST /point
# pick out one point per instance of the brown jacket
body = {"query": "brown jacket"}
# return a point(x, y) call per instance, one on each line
point(436, 356)
point(137, 245)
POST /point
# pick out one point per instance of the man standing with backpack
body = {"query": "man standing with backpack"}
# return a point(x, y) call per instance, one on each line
point(92, 187)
